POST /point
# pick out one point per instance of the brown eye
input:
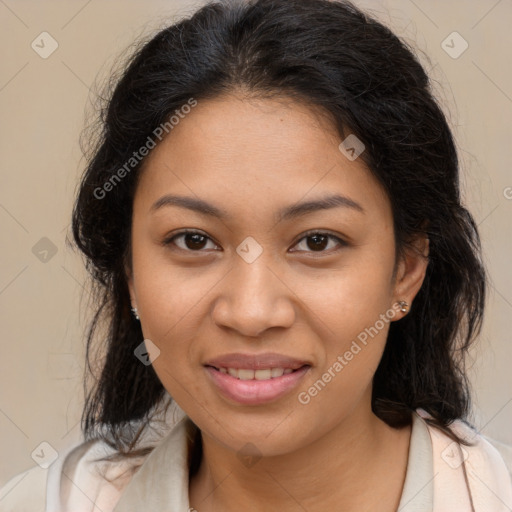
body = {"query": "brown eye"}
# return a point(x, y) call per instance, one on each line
point(190, 241)
point(318, 242)
point(195, 241)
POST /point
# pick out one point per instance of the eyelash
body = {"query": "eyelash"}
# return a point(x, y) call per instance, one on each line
point(342, 243)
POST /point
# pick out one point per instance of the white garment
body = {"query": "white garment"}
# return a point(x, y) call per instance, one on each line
point(434, 479)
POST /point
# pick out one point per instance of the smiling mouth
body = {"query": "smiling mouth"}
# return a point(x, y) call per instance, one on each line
point(256, 386)
point(260, 374)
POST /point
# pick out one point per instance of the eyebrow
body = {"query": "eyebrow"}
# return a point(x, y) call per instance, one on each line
point(290, 212)
point(325, 203)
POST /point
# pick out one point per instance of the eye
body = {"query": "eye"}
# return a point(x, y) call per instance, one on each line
point(312, 241)
point(318, 241)
point(192, 241)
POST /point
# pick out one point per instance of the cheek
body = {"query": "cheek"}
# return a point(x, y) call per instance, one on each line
point(170, 322)
point(353, 311)
point(170, 305)
point(173, 303)
point(349, 299)
point(175, 315)
point(167, 295)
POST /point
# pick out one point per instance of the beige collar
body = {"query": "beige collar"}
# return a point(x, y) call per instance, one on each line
point(161, 483)
point(468, 479)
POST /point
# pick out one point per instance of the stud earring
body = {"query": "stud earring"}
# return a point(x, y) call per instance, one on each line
point(135, 313)
point(403, 306)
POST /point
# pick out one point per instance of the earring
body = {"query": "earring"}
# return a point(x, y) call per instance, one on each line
point(135, 313)
point(403, 306)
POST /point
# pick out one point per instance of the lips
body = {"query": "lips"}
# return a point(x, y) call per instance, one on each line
point(249, 374)
point(264, 361)
point(255, 379)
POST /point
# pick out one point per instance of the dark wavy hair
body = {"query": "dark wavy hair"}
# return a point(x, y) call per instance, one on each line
point(332, 56)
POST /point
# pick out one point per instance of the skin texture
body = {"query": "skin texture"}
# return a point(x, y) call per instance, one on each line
point(252, 158)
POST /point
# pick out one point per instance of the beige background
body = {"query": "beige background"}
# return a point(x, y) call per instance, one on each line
point(42, 105)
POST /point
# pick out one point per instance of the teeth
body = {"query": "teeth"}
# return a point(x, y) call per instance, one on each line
point(248, 374)
point(245, 374)
point(262, 374)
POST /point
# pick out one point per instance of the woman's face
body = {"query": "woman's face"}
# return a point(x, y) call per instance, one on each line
point(296, 296)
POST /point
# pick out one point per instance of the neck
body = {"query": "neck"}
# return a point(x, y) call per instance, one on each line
point(333, 473)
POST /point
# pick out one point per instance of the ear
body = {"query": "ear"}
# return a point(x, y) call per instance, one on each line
point(411, 270)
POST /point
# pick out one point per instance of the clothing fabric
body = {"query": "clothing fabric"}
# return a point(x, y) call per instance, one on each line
point(441, 475)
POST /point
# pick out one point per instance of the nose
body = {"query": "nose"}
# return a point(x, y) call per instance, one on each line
point(254, 297)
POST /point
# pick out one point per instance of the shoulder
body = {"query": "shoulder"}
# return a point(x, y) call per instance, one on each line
point(505, 450)
point(489, 451)
point(78, 481)
point(81, 480)
point(492, 450)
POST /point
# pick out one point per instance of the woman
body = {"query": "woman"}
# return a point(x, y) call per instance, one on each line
point(273, 221)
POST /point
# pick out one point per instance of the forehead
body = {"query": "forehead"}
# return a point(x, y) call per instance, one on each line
point(259, 152)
